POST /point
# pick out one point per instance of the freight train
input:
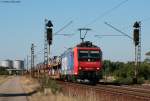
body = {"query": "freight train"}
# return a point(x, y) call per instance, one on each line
point(83, 62)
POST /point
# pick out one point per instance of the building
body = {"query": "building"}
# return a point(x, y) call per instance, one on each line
point(6, 63)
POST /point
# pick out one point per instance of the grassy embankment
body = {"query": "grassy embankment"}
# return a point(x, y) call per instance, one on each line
point(50, 92)
point(3, 78)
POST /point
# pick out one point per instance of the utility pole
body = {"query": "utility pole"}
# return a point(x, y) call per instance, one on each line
point(27, 63)
point(32, 58)
point(85, 30)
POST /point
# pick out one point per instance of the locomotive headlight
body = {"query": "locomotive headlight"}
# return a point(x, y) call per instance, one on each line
point(98, 68)
point(80, 68)
point(76, 73)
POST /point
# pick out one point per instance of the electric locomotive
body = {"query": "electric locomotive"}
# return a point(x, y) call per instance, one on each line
point(83, 62)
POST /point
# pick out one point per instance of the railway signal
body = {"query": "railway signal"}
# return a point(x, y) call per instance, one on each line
point(48, 36)
point(49, 32)
point(137, 42)
point(136, 33)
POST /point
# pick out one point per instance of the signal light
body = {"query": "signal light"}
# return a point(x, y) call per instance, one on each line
point(49, 31)
point(136, 25)
point(49, 35)
point(136, 36)
point(136, 33)
point(49, 24)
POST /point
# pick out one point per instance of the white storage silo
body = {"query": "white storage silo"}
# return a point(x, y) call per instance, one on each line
point(18, 64)
point(6, 63)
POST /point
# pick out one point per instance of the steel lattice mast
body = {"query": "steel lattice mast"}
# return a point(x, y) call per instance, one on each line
point(45, 45)
point(137, 41)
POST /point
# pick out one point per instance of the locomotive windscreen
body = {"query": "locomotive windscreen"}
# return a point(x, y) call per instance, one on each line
point(89, 54)
point(83, 54)
point(94, 54)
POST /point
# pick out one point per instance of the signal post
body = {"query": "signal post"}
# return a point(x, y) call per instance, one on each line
point(137, 43)
point(48, 41)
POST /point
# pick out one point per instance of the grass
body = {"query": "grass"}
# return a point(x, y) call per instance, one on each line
point(3, 78)
point(50, 92)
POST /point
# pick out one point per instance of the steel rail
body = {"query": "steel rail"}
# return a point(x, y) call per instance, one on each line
point(110, 89)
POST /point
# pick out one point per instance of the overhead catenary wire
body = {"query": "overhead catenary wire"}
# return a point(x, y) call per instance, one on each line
point(65, 34)
point(107, 35)
point(118, 30)
point(56, 33)
point(107, 12)
point(145, 19)
point(10, 1)
point(61, 29)
point(142, 20)
point(99, 17)
point(98, 34)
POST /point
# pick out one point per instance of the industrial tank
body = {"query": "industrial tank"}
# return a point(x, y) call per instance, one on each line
point(18, 64)
point(6, 63)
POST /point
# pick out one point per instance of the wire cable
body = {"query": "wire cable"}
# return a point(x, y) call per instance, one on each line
point(63, 27)
point(107, 12)
point(10, 1)
point(118, 30)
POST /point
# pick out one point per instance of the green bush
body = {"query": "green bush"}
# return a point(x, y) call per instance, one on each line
point(140, 80)
point(124, 72)
point(144, 71)
point(3, 71)
point(125, 81)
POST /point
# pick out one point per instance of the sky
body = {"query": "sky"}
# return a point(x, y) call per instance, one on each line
point(22, 24)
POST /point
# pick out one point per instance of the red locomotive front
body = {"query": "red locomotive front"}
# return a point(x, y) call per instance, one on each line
point(87, 61)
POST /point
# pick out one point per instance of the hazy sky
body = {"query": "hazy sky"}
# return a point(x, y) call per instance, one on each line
point(22, 24)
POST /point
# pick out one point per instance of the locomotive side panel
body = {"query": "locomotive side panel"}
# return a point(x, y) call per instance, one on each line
point(76, 62)
point(67, 63)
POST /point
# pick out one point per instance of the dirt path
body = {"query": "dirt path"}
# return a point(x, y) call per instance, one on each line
point(27, 89)
point(32, 87)
point(12, 90)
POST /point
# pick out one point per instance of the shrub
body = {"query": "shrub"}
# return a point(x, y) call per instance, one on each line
point(3, 71)
point(124, 81)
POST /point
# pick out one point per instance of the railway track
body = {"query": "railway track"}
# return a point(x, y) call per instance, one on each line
point(128, 90)
point(106, 92)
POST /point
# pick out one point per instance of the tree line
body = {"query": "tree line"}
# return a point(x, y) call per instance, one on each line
point(3, 71)
point(124, 72)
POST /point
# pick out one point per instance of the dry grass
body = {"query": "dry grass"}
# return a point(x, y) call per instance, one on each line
point(31, 85)
point(4, 78)
point(50, 97)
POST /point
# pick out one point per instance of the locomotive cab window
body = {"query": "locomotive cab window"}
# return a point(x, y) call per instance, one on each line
point(94, 54)
point(83, 54)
